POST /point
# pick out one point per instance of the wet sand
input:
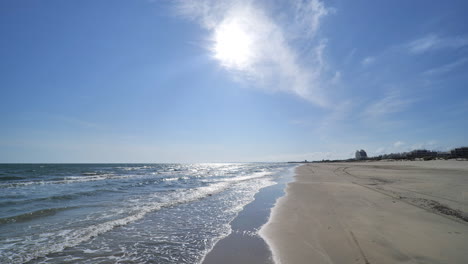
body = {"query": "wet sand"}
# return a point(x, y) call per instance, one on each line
point(244, 245)
point(372, 212)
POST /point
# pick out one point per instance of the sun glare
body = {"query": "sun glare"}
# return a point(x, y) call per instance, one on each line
point(233, 45)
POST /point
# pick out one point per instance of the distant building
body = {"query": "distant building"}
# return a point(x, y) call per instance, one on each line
point(361, 154)
point(460, 152)
point(421, 153)
point(395, 155)
point(444, 155)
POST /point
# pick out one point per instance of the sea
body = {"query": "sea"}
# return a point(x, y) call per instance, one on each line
point(124, 213)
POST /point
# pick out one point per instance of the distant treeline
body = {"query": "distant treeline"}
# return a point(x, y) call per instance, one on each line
point(423, 154)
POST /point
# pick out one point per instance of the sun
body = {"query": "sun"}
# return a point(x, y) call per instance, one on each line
point(233, 45)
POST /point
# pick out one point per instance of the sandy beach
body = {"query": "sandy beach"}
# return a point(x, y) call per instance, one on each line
point(372, 212)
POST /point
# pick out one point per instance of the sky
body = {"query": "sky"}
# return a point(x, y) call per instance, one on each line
point(230, 81)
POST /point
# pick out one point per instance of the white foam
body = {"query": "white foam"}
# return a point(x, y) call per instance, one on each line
point(74, 179)
point(70, 238)
point(135, 208)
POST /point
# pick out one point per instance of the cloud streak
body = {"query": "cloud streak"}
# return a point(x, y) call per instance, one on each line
point(447, 67)
point(435, 42)
point(368, 60)
point(389, 104)
point(249, 43)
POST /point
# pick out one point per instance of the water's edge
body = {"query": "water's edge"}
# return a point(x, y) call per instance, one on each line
point(139, 213)
point(244, 244)
point(261, 232)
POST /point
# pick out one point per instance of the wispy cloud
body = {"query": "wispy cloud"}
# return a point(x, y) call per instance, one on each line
point(341, 112)
point(430, 145)
point(447, 67)
point(252, 44)
point(401, 146)
point(434, 42)
point(389, 104)
point(368, 60)
point(336, 78)
point(398, 144)
point(308, 15)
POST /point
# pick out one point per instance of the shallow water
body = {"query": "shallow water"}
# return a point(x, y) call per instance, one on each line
point(132, 213)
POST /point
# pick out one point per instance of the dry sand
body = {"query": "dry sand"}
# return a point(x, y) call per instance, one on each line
point(372, 212)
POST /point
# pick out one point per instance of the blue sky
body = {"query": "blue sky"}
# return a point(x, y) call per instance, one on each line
point(216, 81)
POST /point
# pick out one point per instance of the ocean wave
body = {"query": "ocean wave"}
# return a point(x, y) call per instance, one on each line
point(69, 180)
point(72, 238)
point(58, 198)
point(33, 215)
point(239, 178)
point(161, 186)
point(92, 178)
point(11, 178)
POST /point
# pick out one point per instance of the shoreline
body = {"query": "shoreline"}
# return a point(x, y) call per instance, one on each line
point(244, 244)
point(372, 212)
